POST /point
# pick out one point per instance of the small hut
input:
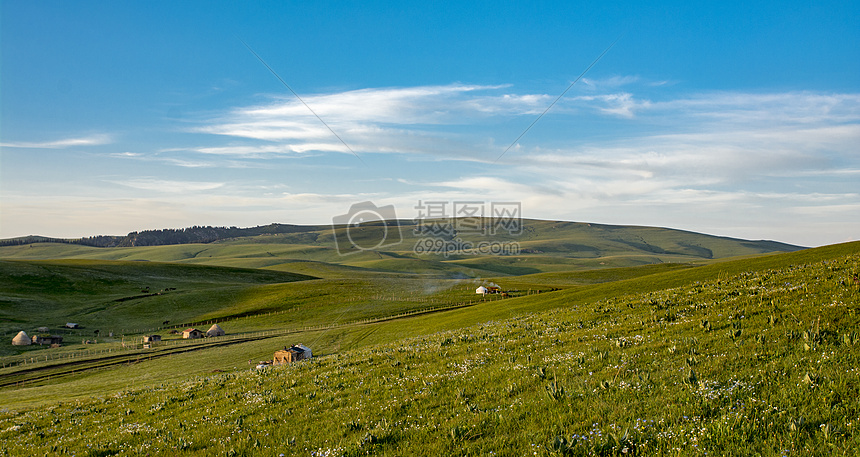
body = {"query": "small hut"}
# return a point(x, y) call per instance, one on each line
point(292, 354)
point(151, 338)
point(72, 325)
point(306, 349)
point(43, 330)
point(192, 333)
point(481, 290)
point(215, 330)
point(21, 339)
point(49, 340)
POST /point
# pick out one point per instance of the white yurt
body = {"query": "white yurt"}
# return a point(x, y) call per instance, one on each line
point(482, 290)
point(21, 339)
point(215, 330)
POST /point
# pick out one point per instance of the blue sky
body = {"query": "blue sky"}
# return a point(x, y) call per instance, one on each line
point(726, 118)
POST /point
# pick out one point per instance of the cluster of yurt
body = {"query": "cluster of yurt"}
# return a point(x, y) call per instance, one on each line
point(22, 339)
point(214, 330)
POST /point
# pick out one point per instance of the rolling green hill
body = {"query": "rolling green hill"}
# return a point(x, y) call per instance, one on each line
point(753, 356)
point(545, 246)
point(118, 295)
point(609, 341)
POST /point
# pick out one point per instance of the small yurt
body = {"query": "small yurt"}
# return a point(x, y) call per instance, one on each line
point(482, 290)
point(215, 330)
point(21, 339)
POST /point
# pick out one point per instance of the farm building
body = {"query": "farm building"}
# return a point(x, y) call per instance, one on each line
point(21, 339)
point(47, 340)
point(482, 290)
point(43, 330)
point(215, 330)
point(192, 333)
point(292, 354)
point(72, 325)
point(151, 338)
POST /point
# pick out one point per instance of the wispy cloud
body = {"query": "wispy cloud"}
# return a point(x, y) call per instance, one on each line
point(611, 82)
point(738, 161)
point(431, 119)
point(91, 140)
point(167, 186)
point(126, 155)
point(420, 120)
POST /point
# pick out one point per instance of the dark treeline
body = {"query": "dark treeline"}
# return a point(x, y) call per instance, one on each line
point(100, 241)
point(195, 234)
point(32, 239)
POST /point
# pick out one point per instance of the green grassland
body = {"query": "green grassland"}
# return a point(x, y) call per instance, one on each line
point(612, 341)
point(546, 246)
point(117, 295)
point(755, 356)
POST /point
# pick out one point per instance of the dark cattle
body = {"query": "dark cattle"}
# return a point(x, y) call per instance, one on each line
point(96, 332)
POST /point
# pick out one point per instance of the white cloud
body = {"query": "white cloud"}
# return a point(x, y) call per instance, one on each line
point(611, 82)
point(754, 109)
point(777, 165)
point(126, 155)
point(167, 186)
point(91, 140)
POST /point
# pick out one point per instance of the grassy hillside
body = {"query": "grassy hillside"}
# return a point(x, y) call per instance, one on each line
point(545, 247)
point(114, 295)
point(746, 357)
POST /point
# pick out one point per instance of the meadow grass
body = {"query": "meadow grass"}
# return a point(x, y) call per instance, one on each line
point(547, 246)
point(748, 357)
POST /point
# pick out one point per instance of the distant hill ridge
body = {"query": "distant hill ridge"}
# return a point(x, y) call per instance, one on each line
point(538, 236)
point(163, 237)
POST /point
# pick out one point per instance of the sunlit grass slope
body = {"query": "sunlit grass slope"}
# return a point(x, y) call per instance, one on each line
point(546, 246)
point(747, 357)
point(118, 294)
